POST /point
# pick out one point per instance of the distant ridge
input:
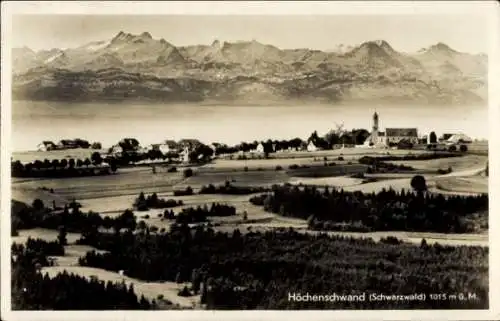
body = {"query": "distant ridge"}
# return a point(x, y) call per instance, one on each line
point(154, 69)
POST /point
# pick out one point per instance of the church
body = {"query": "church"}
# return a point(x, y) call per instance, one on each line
point(391, 136)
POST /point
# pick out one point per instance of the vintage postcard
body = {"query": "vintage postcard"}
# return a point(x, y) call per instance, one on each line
point(250, 160)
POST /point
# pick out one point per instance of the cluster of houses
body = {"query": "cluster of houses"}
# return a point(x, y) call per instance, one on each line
point(394, 137)
point(180, 150)
point(63, 144)
point(391, 137)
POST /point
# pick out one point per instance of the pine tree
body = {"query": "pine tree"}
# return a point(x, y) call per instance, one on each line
point(62, 236)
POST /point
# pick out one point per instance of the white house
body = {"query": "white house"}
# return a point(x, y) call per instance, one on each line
point(259, 148)
point(184, 155)
point(311, 147)
point(459, 138)
point(163, 148)
point(116, 150)
point(45, 146)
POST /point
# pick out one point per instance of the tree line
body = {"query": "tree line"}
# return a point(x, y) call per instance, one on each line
point(383, 211)
point(230, 189)
point(200, 214)
point(143, 203)
point(257, 270)
point(63, 168)
point(70, 217)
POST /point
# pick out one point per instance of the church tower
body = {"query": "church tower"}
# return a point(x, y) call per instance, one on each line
point(375, 129)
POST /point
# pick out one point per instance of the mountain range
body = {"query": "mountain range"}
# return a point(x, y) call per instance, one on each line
point(139, 67)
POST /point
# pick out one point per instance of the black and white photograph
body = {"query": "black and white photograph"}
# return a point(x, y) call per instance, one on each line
point(173, 160)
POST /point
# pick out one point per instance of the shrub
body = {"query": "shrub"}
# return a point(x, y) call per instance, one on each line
point(340, 158)
point(172, 169)
point(188, 172)
point(186, 192)
point(278, 168)
point(452, 148)
point(294, 166)
point(184, 292)
point(245, 168)
point(463, 148)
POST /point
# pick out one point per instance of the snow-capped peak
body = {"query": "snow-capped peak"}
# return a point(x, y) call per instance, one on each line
point(54, 57)
point(94, 46)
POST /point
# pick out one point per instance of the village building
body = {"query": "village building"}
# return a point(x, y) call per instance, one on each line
point(171, 145)
point(311, 147)
point(184, 155)
point(459, 138)
point(391, 136)
point(165, 148)
point(445, 137)
point(116, 150)
point(259, 148)
point(46, 146)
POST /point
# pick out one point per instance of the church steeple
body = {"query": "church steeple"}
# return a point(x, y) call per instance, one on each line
point(375, 121)
point(374, 136)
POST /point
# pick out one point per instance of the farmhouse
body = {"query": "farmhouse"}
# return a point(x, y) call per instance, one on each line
point(459, 138)
point(73, 143)
point(259, 148)
point(46, 146)
point(311, 147)
point(116, 150)
point(167, 147)
point(130, 144)
point(391, 136)
point(445, 137)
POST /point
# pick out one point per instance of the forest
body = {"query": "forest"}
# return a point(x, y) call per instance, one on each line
point(199, 214)
point(383, 211)
point(230, 189)
point(32, 290)
point(257, 270)
point(143, 203)
point(70, 217)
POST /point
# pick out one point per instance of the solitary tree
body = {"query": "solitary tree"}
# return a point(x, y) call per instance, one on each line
point(38, 204)
point(62, 236)
point(96, 158)
point(418, 183)
point(55, 163)
point(64, 163)
point(71, 163)
point(96, 145)
point(432, 138)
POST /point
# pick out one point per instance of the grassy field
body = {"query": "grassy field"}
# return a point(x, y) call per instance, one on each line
point(44, 234)
point(150, 290)
point(69, 262)
point(476, 184)
point(112, 194)
point(456, 163)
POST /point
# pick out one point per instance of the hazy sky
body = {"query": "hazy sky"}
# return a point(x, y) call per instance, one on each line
point(405, 33)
